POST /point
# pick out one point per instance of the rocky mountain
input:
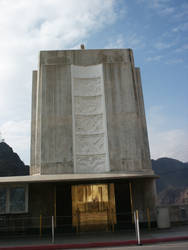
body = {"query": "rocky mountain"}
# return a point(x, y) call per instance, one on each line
point(172, 187)
point(10, 163)
point(172, 195)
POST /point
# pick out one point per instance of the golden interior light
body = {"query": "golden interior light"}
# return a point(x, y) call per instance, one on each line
point(93, 206)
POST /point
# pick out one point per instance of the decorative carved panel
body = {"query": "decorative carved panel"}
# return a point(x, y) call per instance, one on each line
point(89, 124)
point(90, 163)
point(88, 104)
point(89, 144)
point(89, 120)
point(87, 86)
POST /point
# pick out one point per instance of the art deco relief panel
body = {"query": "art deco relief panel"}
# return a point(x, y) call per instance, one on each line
point(87, 105)
point(89, 124)
point(89, 120)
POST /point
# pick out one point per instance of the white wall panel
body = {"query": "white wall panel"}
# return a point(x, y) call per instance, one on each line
point(89, 120)
point(88, 105)
point(91, 86)
point(95, 163)
point(90, 144)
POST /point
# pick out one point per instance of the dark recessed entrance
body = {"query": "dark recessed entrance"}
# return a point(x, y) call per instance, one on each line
point(123, 205)
point(91, 207)
point(63, 208)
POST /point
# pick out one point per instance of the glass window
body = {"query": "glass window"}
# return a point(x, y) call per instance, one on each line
point(3, 198)
point(13, 199)
point(17, 199)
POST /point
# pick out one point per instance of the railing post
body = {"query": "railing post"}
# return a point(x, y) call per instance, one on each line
point(112, 216)
point(41, 225)
point(78, 220)
point(55, 207)
point(52, 229)
point(148, 218)
point(137, 229)
point(131, 201)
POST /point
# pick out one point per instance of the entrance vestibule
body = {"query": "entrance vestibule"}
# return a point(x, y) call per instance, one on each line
point(93, 206)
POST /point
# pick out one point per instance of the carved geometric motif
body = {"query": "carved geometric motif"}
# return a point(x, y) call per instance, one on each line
point(89, 124)
point(91, 164)
point(88, 105)
point(87, 86)
point(90, 144)
point(89, 121)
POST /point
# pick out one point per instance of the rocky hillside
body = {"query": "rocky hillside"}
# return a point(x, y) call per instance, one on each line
point(10, 163)
point(172, 187)
point(172, 195)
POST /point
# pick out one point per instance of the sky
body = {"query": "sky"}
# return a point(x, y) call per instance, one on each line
point(156, 30)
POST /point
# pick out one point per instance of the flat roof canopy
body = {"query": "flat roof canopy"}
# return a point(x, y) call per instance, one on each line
point(73, 177)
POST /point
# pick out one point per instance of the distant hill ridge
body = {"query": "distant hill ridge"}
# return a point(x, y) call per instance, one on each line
point(172, 173)
point(10, 163)
point(172, 187)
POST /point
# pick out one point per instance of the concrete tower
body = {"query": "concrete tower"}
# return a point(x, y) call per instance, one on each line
point(88, 114)
point(90, 162)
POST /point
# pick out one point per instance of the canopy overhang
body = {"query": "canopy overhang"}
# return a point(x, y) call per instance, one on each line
point(75, 177)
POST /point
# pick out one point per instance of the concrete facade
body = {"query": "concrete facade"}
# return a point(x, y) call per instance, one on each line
point(88, 128)
point(88, 114)
point(49, 198)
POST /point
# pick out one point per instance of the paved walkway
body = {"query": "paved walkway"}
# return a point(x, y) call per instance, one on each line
point(161, 246)
point(100, 239)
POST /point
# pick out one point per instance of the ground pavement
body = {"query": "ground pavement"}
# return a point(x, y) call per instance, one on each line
point(97, 239)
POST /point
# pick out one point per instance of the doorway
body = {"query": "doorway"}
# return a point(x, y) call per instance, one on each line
point(123, 205)
point(93, 207)
point(63, 213)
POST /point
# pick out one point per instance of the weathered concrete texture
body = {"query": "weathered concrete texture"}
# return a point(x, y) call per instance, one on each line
point(144, 198)
point(121, 111)
point(33, 122)
point(128, 148)
point(145, 153)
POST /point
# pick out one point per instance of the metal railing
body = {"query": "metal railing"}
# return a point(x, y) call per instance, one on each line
point(52, 227)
